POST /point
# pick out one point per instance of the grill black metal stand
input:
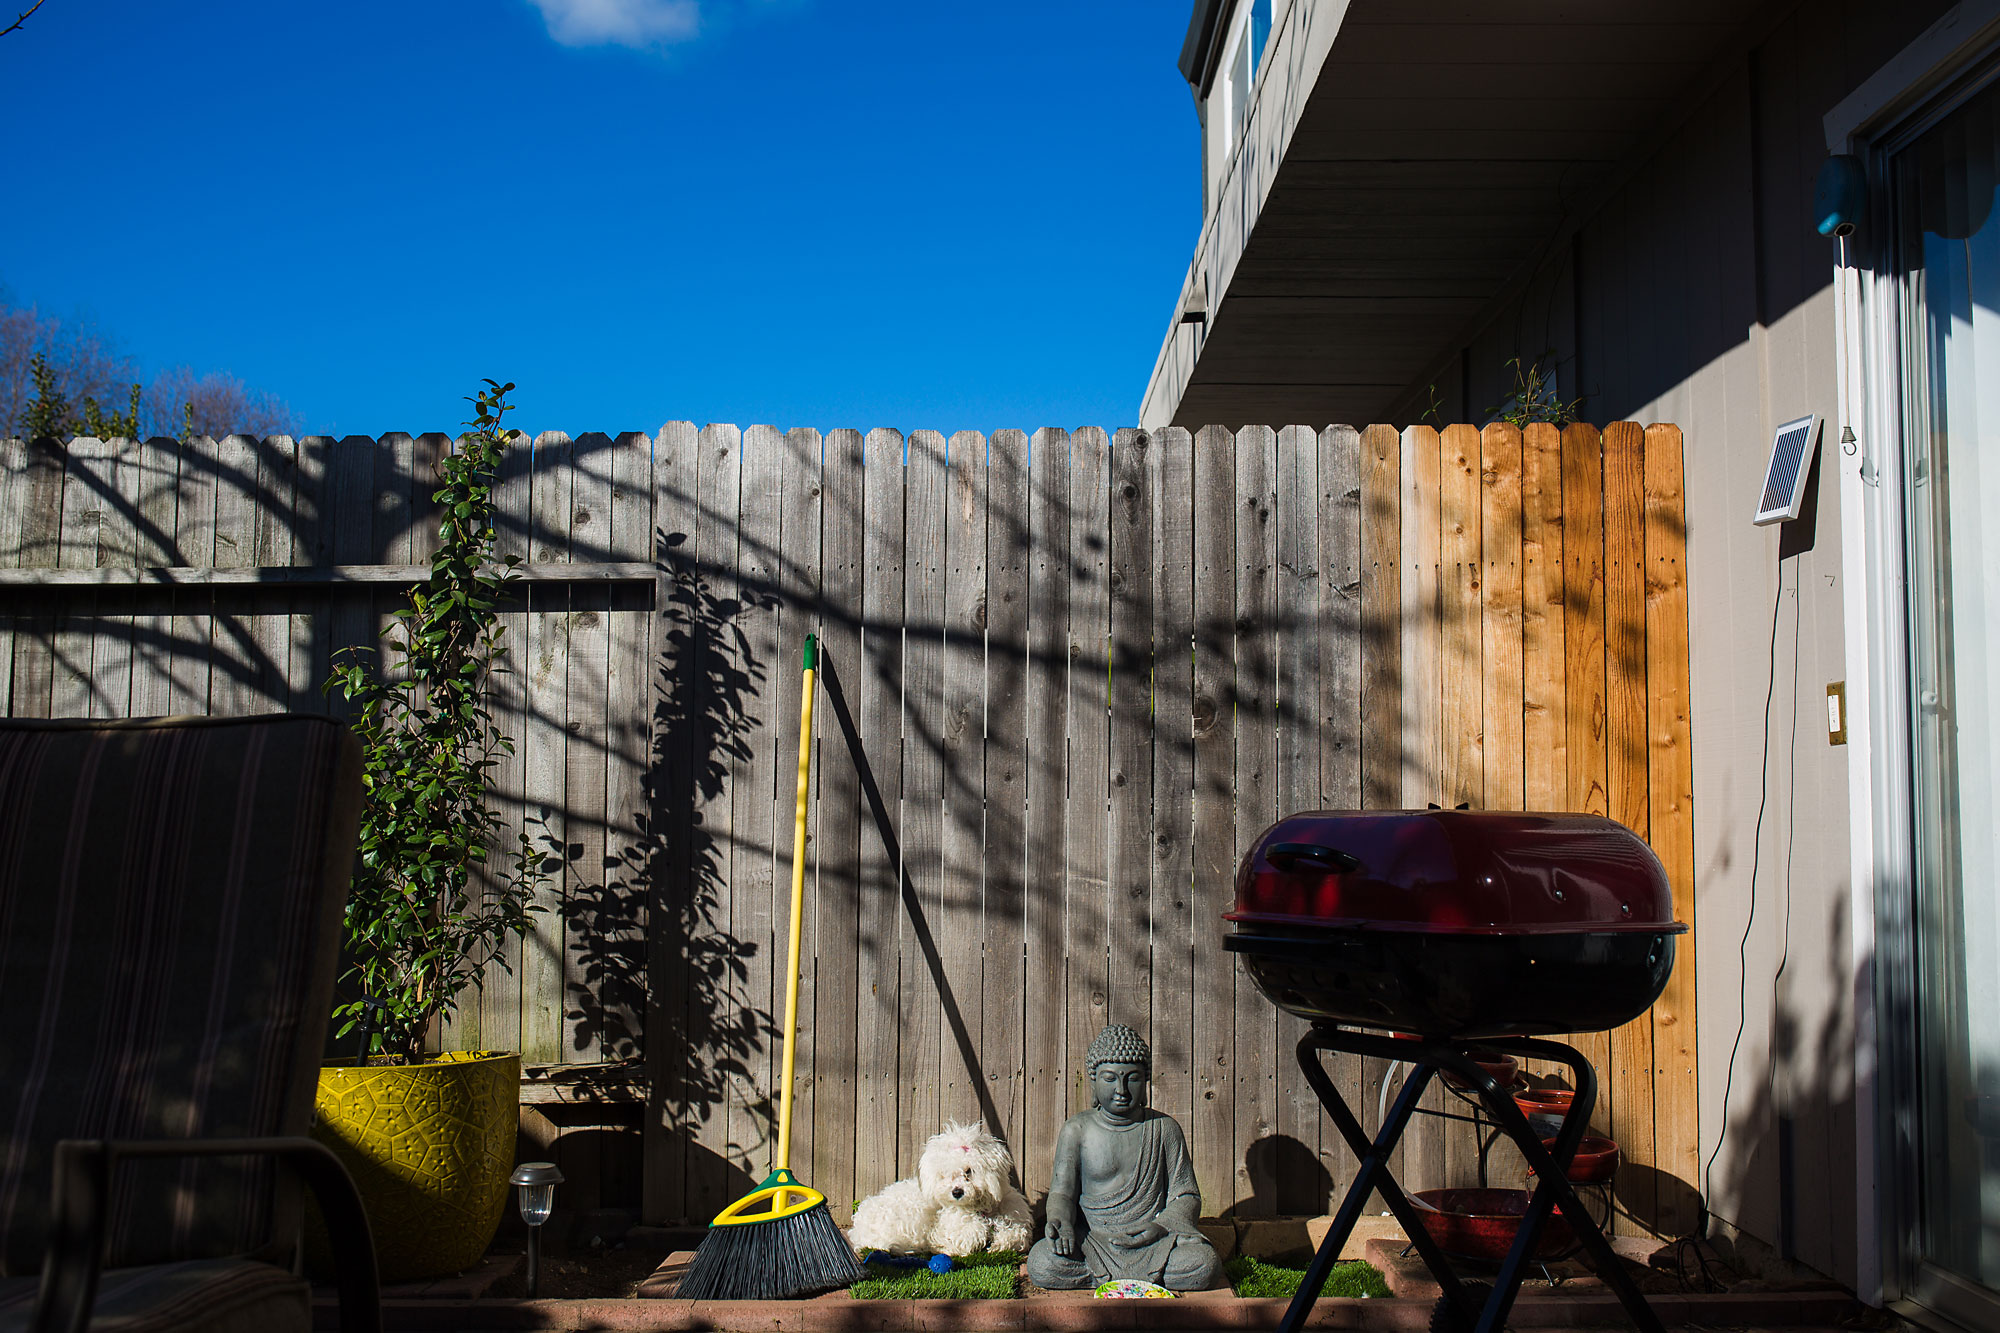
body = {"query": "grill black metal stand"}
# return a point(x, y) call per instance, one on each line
point(1552, 1187)
point(1480, 1124)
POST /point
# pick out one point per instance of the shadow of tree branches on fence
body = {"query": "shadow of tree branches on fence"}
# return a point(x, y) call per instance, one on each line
point(691, 973)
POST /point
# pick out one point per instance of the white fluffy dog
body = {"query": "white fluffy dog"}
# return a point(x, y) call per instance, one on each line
point(961, 1201)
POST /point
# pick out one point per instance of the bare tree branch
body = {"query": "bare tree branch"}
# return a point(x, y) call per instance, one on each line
point(23, 18)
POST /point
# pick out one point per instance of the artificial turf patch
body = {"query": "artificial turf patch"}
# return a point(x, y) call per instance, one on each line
point(976, 1277)
point(1253, 1277)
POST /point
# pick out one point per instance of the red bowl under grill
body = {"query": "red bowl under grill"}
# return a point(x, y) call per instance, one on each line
point(1503, 1069)
point(1452, 923)
point(1482, 1224)
point(1595, 1162)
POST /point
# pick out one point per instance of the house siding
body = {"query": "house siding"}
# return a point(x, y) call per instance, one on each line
point(1698, 293)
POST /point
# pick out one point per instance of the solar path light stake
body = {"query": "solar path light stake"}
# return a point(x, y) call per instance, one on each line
point(535, 1192)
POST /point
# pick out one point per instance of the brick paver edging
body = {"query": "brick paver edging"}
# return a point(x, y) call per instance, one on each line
point(1784, 1309)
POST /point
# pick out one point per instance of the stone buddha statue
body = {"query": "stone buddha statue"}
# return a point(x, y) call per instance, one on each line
point(1122, 1199)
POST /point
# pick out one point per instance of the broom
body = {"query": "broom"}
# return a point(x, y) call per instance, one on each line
point(779, 1240)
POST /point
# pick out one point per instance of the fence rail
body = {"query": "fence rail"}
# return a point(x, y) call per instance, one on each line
point(1069, 678)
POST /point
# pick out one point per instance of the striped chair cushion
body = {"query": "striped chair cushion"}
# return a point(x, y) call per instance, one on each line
point(204, 1295)
point(170, 896)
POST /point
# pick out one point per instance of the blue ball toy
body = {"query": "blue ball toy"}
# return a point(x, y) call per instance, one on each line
point(937, 1263)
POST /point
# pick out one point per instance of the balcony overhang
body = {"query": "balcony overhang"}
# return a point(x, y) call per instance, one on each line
point(1390, 192)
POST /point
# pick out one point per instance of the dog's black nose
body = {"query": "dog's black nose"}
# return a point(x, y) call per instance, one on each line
point(958, 1191)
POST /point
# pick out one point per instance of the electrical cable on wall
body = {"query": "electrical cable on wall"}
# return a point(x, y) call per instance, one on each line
point(1756, 855)
point(1791, 831)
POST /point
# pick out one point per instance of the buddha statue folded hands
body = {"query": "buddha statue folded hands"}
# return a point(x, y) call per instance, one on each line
point(1122, 1198)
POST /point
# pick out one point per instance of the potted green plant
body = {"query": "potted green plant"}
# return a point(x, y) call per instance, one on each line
point(429, 1137)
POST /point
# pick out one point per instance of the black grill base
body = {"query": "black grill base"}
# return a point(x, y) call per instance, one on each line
point(1552, 1187)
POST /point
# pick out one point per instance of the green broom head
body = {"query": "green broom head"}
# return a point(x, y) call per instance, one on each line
point(775, 1243)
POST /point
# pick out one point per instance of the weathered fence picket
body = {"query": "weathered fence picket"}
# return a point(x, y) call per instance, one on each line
point(1181, 944)
point(843, 825)
point(1004, 1051)
point(1067, 679)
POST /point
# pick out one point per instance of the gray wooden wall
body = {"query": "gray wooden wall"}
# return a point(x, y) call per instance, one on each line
point(1079, 673)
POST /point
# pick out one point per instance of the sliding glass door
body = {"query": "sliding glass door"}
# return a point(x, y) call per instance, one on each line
point(1947, 231)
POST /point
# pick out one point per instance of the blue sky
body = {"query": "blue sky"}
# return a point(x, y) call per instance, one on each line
point(802, 212)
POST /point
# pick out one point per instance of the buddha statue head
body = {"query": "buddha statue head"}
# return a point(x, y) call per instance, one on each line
point(1120, 1065)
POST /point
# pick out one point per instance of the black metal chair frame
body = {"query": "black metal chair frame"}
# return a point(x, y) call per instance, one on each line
point(1552, 1187)
point(83, 1171)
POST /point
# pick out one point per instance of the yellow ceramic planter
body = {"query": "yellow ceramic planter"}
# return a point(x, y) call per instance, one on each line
point(430, 1147)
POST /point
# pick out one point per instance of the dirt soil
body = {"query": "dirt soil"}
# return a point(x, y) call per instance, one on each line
point(587, 1274)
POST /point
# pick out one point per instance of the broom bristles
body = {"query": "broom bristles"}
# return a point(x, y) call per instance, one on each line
point(801, 1255)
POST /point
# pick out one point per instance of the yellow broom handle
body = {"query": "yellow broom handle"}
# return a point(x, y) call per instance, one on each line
point(798, 904)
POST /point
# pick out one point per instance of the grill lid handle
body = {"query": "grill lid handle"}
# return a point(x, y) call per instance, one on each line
point(1287, 855)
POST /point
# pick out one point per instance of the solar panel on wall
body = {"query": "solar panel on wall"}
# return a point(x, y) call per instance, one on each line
point(1785, 478)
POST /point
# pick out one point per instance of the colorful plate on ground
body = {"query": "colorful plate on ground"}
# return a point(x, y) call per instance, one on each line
point(1125, 1289)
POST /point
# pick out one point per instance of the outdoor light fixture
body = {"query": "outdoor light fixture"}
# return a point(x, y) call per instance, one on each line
point(535, 1192)
point(1840, 195)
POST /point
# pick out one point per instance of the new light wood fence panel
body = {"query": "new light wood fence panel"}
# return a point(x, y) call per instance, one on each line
point(1068, 679)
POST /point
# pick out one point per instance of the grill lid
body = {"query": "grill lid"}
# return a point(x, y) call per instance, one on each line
point(1459, 872)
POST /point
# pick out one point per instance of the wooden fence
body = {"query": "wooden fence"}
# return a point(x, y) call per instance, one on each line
point(1078, 673)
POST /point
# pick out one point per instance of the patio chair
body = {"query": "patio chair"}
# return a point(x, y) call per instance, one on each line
point(170, 897)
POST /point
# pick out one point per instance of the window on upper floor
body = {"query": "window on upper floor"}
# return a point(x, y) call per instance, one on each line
point(1250, 29)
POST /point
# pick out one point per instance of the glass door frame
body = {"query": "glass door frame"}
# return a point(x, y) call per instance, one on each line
point(1877, 508)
